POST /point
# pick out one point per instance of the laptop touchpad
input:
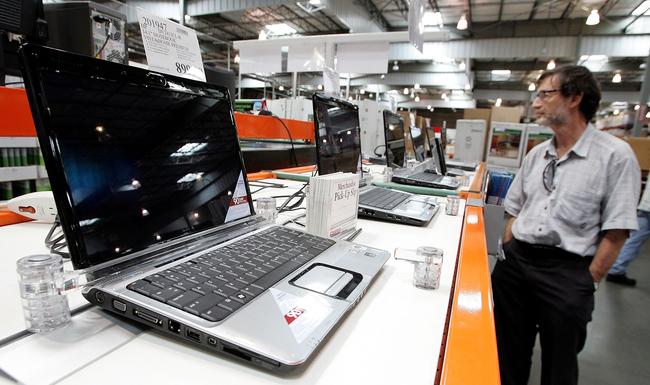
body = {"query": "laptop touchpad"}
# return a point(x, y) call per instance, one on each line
point(324, 279)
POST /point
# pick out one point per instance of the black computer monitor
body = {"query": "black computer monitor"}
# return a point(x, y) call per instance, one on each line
point(394, 139)
point(338, 135)
point(25, 18)
point(418, 143)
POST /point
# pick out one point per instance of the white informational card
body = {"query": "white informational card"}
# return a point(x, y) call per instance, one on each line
point(170, 47)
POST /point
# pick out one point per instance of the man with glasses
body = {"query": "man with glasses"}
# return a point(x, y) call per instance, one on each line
point(573, 203)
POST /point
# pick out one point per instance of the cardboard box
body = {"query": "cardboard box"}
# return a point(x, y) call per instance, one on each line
point(506, 114)
point(641, 147)
point(477, 113)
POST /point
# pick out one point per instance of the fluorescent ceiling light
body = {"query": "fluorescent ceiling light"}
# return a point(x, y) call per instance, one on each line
point(189, 149)
point(594, 18)
point(281, 29)
point(641, 9)
point(500, 75)
point(594, 58)
point(432, 19)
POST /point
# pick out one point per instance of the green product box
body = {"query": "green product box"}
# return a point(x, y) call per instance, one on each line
point(6, 191)
point(43, 185)
point(5, 157)
point(20, 187)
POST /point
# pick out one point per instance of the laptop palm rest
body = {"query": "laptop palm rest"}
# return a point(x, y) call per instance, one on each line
point(326, 280)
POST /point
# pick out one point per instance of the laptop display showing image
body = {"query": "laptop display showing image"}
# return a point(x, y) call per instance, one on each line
point(394, 137)
point(374, 202)
point(152, 194)
point(417, 138)
point(338, 144)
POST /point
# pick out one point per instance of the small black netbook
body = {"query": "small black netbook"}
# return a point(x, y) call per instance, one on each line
point(151, 189)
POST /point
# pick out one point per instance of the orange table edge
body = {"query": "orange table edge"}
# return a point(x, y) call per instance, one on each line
point(469, 354)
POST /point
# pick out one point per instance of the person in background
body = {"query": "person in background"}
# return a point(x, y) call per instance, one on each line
point(632, 247)
point(572, 205)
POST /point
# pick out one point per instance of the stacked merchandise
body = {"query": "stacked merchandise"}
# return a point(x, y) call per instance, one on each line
point(332, 204)
point(498, 187)
point(21, 171)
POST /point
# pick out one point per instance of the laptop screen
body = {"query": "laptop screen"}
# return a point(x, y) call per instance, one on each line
point(431, 135)
point(440, 156)
point(337, 135)
point(418, 143)
point(394, 136)
point(133, 163)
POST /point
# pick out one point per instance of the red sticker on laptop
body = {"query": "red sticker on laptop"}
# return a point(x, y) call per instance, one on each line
point(302, 314)
point(293, 314)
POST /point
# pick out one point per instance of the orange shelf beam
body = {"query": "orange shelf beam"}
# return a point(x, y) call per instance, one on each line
point(470, 355)
point(251, 126)
point(15, 114)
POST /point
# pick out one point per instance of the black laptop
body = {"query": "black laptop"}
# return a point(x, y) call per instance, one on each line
point(151, 190)
point(338, 146)
point(393, 131)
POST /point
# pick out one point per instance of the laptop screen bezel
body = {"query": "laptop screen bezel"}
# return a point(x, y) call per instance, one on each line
point(37, 59)
point(418, 143)
point(391, 161)
point(320, 99)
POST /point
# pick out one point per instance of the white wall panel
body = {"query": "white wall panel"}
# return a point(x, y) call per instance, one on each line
point(305, 58)
point(260, 60)
point(362, 58)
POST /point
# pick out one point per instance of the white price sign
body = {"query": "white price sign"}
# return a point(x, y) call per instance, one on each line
point(170, 47)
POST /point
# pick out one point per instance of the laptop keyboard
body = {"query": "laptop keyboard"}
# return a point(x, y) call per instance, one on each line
point(383, 198)
point(214, 285)
point(427, 177)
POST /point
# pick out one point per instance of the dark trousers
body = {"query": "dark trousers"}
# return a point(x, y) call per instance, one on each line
point(541, 290)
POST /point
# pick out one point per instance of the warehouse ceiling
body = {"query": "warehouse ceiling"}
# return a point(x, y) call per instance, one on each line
point(219, 23)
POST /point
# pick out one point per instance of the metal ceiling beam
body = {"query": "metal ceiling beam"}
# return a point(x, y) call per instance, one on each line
point(376, 14)
point(567, 11)
point(533, 12)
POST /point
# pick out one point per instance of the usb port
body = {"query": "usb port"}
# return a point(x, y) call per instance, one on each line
point(192, 335)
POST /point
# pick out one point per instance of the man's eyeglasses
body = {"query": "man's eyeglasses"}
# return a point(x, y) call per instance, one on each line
point(542, 94)
point(549, 174)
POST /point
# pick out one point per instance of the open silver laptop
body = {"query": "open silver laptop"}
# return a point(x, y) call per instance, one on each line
point(153, 197)
point(338, 146)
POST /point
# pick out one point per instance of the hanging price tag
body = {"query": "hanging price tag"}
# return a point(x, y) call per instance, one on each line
point(170, 47)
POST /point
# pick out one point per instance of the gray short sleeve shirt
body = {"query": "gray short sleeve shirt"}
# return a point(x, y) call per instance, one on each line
point(595, 188)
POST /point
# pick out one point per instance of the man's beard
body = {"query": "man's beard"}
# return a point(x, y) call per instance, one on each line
point(559, 117)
